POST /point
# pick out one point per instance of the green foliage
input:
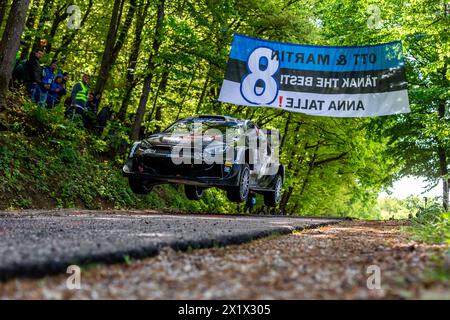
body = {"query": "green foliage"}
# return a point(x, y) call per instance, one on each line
point(431, 224)
point(393, 208)
point(435, 231)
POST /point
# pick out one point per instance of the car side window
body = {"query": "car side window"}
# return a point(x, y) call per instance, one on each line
point(264, 141)
point(269, 142)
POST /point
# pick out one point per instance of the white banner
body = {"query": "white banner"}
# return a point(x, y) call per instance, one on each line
point(317, 80)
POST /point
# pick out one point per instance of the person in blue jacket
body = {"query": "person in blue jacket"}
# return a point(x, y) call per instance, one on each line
point(56, 91)
point(48, 75)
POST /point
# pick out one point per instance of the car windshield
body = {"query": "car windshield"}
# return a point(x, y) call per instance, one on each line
point(206, 127)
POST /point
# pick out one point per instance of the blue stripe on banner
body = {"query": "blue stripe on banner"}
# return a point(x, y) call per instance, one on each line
point(323, 58)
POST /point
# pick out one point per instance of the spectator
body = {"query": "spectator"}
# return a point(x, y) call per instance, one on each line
point(19, 73)
point(48, 75)
point(33, 75)
point(18, 76)
point(93, 102)
point(102, 119)
point(97, 99)
point(65, 79)
point(68, 100)
point(250, 202)
point(56, 92)
point(91, 112)
point(79, 98)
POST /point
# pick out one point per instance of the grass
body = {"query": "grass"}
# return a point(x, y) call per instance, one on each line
point(431, 226)
point(128, 260)
point(441, 273)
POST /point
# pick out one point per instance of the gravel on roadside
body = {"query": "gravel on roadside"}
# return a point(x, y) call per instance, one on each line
point(332, 262)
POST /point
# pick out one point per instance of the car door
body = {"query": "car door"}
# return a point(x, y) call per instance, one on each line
point(252, 145)
point(258, 155)
point(264, 163)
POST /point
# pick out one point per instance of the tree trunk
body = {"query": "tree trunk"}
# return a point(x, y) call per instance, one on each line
point(151, 66)
point(124, 30)
point(443, 162)
point(186, 93)
point(3, 7)
point(286, 128)
point(68, 40)
point(202, 96)
point(30, 26)
point(444, 175)
point(45, 14)
point(109, 45)
point(310, 169)
point(285, 199)
point(216, 104)
point(288, 193)
point(9, 45)
point(110, 55)
point(60, 15)
point(132, 61)
point(161, 90)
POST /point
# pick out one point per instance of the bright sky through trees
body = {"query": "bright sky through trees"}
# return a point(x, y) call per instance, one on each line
point(412, 186)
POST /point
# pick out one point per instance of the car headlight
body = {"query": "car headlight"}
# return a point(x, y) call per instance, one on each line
point(213, 150)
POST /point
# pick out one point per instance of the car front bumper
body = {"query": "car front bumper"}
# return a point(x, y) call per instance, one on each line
point(161, 169)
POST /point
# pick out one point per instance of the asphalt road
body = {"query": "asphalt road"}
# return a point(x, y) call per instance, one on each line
point(36, 243)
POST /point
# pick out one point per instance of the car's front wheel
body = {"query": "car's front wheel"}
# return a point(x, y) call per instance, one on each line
point(193, 192)
point(273, 197)
point(240, 193)
point(140, 186)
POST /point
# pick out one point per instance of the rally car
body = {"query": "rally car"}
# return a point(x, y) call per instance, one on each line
point(209, 151)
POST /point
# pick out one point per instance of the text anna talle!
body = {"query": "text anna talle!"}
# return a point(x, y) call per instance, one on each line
point(335, 81)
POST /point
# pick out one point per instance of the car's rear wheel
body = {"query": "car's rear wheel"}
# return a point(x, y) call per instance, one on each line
point(140, 186)
point(272, 198)
point(193, 192)
point(240, 193)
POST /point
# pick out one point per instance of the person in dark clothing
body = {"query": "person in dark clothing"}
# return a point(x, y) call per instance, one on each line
point(91, 112)
point(97, 98)
point(68, 100)
point(65, 79)
point(19, 73)
point(19, 76)
point(102, 119)
point(93, 103)
point(250, 202)
point(34, 75)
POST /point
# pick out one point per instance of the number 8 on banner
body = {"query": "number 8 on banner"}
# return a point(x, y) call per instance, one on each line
point(259, 86)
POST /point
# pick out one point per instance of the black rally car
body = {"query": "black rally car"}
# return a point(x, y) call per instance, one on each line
point(209, 151)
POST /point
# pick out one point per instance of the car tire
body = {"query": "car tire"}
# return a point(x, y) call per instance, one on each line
point(273, 197)
point(193, 192)
point(240, 193)
point(140, 186)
